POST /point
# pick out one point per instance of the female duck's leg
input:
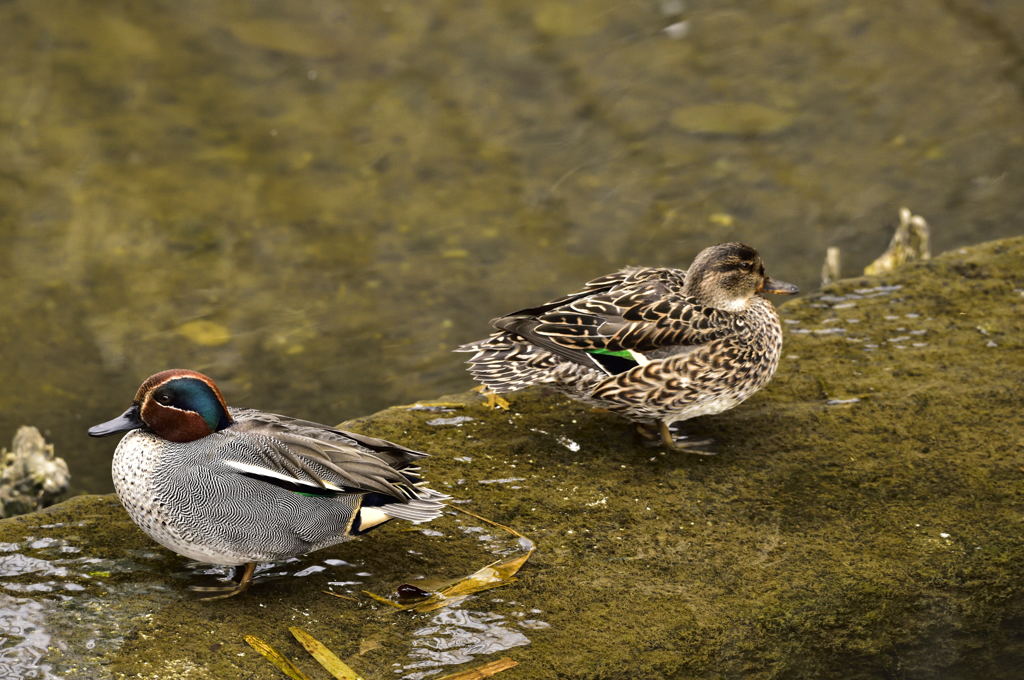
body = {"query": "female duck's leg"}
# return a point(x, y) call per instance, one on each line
point(681, 444)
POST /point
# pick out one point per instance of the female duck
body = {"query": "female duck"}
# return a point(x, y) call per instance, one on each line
point(656, 345)
point(239, 486)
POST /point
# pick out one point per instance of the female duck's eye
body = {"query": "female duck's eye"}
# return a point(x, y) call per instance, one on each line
point(746, 266)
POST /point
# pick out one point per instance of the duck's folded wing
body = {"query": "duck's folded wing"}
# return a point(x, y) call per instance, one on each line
point(584, 308)
point(396, 455)
point(601, 284)
point(632, 322)
point(286, 455)
point(642, 318)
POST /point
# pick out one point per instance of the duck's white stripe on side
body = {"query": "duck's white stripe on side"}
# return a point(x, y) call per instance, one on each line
point(266, 472)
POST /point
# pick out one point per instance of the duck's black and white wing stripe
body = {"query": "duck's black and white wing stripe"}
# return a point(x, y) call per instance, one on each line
point(314, 459)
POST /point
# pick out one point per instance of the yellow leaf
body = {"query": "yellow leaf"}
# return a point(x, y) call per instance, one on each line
point(383, 600)
point(484, 671)
point(276, 658)
point(339, 595)
point(324, 656)
point(722, 219)
point(493, 575)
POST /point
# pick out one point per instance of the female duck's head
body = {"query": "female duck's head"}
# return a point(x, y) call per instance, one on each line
point(177, 405)
point(728, 275)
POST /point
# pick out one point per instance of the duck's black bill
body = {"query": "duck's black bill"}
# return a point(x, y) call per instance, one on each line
point(129, 420)
point(778, 287)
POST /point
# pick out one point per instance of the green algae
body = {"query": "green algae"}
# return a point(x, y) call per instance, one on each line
point(731, 118)
point(829, 538)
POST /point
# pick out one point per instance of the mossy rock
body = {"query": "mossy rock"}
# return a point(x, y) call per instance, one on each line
point(862, 519)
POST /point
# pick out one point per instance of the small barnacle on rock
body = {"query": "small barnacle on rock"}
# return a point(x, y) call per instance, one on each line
point(830, 268)
point(909, 243)
point(32, 476)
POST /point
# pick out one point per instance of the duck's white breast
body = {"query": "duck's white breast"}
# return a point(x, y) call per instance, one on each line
point(136, 461)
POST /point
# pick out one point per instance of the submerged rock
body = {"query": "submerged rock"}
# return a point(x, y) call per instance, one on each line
point(32, 476)
point(862, 519)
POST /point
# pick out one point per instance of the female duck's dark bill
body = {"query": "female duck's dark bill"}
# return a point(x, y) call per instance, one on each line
point(129, 420)
point(778, 287)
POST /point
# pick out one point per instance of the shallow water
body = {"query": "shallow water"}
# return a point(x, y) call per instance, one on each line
point(315, 202)
point(60, 596)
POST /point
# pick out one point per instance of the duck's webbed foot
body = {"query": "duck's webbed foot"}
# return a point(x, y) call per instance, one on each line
point(243, 579)
point(494, 400)
point(660, 434)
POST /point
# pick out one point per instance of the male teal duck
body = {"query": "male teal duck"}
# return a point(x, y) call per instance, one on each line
point(656, 345)
point(238, 486)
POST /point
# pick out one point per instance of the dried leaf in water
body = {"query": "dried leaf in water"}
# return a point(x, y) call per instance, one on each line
point(489, 521)
point(382, 599)
point(324, 656)
point(339, 595)
point(910, 242)
point(496, 574)
point(368, 645)
point(484, 671)
point(276, 658)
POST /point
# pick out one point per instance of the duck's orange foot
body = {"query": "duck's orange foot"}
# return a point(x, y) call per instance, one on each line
point(493, 399)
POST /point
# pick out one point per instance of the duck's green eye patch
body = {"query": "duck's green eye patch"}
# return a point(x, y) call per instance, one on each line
point(190, 394)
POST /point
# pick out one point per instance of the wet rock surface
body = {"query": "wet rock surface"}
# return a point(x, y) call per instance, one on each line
point(862, 519)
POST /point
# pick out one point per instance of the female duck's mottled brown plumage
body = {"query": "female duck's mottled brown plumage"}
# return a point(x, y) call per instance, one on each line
point(657, 345)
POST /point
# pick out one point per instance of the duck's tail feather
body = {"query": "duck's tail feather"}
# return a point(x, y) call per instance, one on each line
point(504, 362)
point(376, 509)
